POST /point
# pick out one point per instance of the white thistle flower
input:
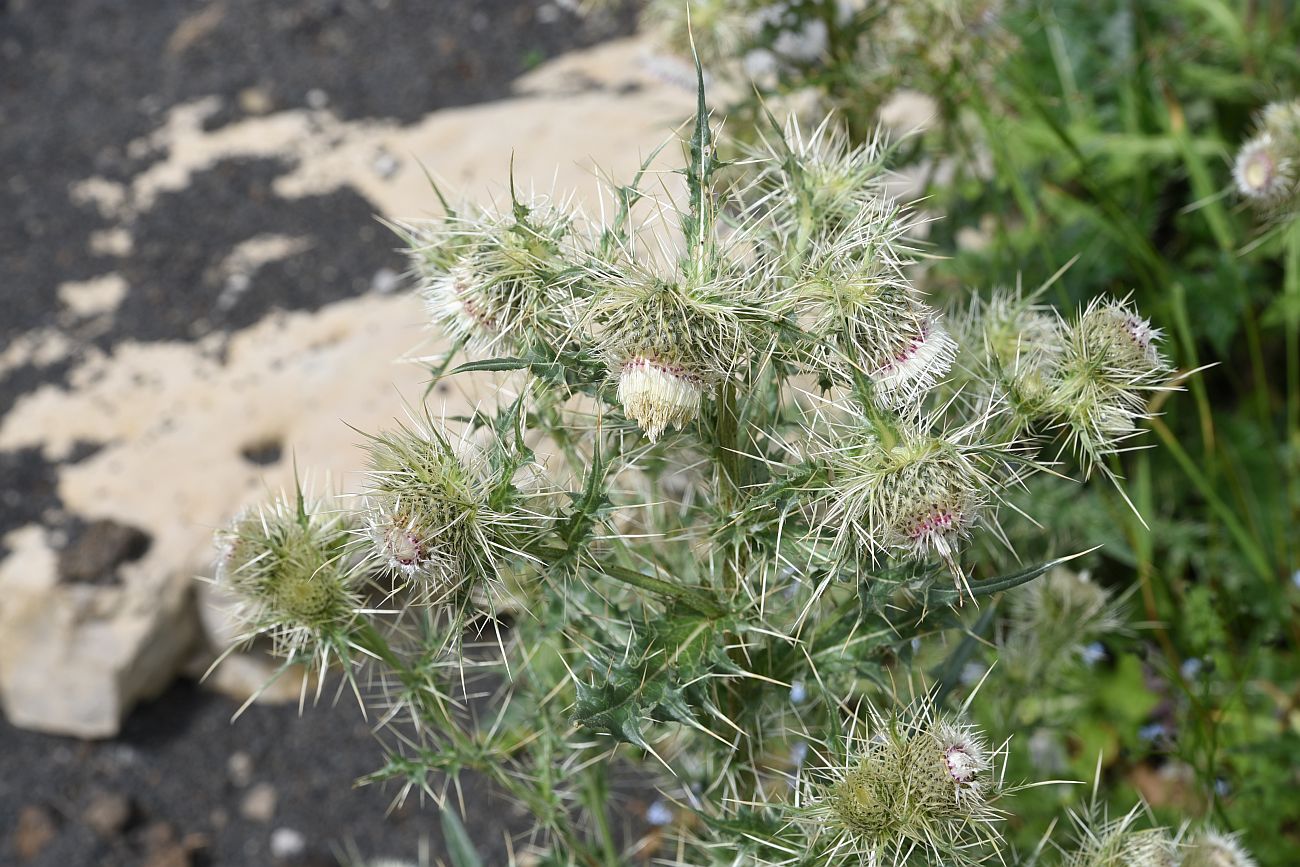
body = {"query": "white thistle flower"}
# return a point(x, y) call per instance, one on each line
point(1262, 172)
point(874, 325)
point(658, 395)
point(430, 515)
point(965, 757)
point(918, 497)
point(495, 281)
point(1282, 119)
point(668, 343)
point(919, 358)
point(456, 301)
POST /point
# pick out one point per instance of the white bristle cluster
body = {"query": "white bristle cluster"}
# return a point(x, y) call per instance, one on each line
point(658, 395)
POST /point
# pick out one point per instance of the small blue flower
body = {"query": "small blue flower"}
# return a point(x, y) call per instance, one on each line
point(798, 692)
point(1152, 732)
point(658, 814)
point(1191, 667)
point(1093, 653)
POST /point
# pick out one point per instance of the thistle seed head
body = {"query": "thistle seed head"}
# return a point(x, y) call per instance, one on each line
point(1210, 848)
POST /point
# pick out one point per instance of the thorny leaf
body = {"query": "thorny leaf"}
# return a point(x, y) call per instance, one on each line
point(660, 678)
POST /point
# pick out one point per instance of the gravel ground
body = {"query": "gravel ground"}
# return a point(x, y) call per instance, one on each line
point(80, 80)
point(183, 785)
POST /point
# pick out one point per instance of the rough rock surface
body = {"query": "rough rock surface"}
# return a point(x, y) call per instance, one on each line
point(142, 439)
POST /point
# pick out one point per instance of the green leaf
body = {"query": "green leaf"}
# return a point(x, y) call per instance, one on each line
point(659, 677)
point(460, 849)
point(699, 176)
point(505, 363)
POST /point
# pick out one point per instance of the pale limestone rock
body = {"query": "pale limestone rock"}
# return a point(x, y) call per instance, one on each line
point(173, 417)
point(74, 658)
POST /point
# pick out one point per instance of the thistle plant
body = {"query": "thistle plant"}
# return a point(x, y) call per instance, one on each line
point(740, 484)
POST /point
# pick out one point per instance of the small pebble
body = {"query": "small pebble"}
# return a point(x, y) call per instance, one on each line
point(34, 830)
point(287, 843)
point(240, 768)
point(259, 803)
point(107, 813)
point(658, 814)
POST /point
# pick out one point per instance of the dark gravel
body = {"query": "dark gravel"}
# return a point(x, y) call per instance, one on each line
point(171, 768)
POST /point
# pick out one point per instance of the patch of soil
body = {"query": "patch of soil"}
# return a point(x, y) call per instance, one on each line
point(184, 785)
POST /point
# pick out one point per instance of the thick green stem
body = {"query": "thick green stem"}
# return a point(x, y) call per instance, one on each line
point(727, 455)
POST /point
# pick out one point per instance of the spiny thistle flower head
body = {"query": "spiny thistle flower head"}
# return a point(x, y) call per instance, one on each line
point(1282, 118)
point(920, 44)
point(1015, 344)
point(1109, 365)
point(909, 362)
point(1150, 848)
point(718, 29)
point(1265, 169)
point(916, 497)
point(288, 564)
point(668, 343)
point(433, 514)
point(1065, 608)
point(1117, 843)
point(509, 285)
point(826, 198)
point(1211, 848)
point(918, 782)
point(874, 325)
